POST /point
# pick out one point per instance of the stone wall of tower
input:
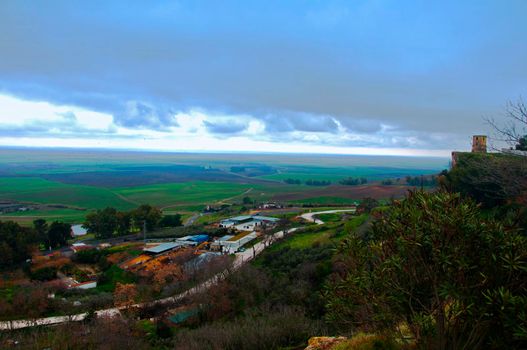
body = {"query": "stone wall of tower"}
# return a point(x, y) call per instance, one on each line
point(479, 144)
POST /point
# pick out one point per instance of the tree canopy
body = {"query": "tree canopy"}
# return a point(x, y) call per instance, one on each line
point(431, 262)
point(16, 243)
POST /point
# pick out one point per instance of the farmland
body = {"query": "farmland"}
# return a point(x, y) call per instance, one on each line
point(66, 185)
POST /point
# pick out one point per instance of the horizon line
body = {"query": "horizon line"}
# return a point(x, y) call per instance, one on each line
point(143, 150)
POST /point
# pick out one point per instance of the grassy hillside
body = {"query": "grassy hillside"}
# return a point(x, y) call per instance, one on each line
point(188, 193)
point(38, 190)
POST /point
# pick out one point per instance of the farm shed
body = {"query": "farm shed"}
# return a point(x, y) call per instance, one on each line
point(78, 230)
point(77, 247)
point(248, 222)
point(231, 244)
point(85, 285)
point(192, 240)
point(199, 238)
point(162, 248)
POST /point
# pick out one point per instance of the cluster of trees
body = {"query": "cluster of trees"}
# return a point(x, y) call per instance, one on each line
point(293, 181)
point(16, 243)
point(350, 181)
point(522, 144)
point(421, 181)
point(52, 236)
point(491, 179)
point(367, 204)
point(456, 279)
point(317, 183)
point(105, 223)
point(448, 266)
point(308, 182)
point(96, 333)
point(279, 302)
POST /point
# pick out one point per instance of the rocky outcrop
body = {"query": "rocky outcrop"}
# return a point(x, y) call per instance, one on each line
point(324, 343)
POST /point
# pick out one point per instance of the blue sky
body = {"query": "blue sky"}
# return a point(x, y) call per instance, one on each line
point(368, 77)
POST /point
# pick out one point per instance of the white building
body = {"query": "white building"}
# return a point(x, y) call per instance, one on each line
point(248, 222)
point(78, 230)
point(85, 285)
point(231, 244)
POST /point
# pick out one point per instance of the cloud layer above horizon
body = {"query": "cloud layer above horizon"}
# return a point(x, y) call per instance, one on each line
point(372, 77)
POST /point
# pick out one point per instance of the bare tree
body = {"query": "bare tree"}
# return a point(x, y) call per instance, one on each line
point(514, 131)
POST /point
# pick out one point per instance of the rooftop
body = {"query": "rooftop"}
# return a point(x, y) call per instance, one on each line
point(239, 218)
point(225, 238)
point(251, 217)
point(78, 230)
point(239, 236)
point(163, 247)
point(264, 218)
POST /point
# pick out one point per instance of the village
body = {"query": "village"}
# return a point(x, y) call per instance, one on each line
point(117, 276)
point(79, 265)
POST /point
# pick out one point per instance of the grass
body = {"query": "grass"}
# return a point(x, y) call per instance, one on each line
point(330, 232)
point(7, 293)
point(331, 217)
point(70, 216)
point(85, 237)
point(362, 341)
point(190, 193)
point(239, 236)
point(174, 197)
point(38, 190)
point(113, 276)
point(307, 237)
point(325, 200)
point(356, 222)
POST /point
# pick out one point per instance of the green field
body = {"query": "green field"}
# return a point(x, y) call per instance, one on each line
point(183, 194)
point(326, 200)
point(191, 196)
point(37, 190)
point(331, 232)
point(335, 174)
point(67, 184)
point(70, 216)
point(79, 200)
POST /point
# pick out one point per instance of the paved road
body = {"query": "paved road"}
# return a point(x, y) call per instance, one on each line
point(240, 259)
point(190, 221)
point(310, 217)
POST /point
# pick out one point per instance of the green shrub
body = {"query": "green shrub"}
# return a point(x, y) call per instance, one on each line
point(431, 261)
point(44, 274)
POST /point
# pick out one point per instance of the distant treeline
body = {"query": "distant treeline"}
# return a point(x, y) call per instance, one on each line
point(109, 222)
point(421, 180)
point(308, 182)
point(350, 181)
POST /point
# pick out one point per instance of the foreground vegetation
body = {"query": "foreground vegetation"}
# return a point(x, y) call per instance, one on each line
point(443, 269)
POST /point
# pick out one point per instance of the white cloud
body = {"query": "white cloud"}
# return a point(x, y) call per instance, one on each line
point(18, 112)
point(42, 124)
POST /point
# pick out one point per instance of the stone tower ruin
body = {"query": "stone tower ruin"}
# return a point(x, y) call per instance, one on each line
point(479, 144)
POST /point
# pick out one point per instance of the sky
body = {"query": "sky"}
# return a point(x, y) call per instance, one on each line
point(389, 77)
